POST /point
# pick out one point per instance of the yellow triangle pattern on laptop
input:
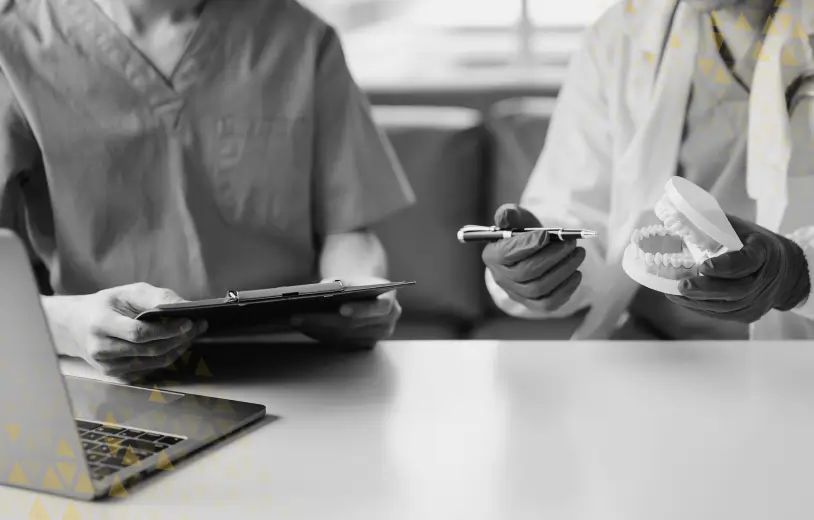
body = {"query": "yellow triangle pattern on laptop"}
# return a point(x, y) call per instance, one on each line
point(71, 513)
point(84, 485)
point(130, 458)
point(156, 396)
point(51, 480)
point(224, 425)
point(164, 462)
point(208, 432)
point(13, 431)
point(114, 447)
point(64, 449)
point(224, 406)
point(110, 420)
point(193, 422)
point(68, 471)
point(117, 489)
point(38, 511)
point(202, 369)
point(17, 476)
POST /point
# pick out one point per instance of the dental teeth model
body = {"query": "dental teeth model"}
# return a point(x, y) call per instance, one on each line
point(694, 228)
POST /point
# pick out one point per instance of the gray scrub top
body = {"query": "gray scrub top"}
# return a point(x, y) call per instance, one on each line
point(224, 175)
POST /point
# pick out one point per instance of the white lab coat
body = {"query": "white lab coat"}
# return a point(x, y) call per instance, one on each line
point(615, 136)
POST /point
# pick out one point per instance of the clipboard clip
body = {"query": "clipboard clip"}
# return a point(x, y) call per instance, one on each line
point(232, 296)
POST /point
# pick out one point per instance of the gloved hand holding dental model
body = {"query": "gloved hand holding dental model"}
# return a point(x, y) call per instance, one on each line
point(769, 272)
point(716, 264)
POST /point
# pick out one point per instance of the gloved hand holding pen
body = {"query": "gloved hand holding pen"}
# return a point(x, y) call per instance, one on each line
point(769, 272)
point(537, 272)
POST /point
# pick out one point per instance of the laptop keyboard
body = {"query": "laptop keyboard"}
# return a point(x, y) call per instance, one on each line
point(110, 448)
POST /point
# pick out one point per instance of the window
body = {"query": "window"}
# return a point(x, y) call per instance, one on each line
point(413, 41)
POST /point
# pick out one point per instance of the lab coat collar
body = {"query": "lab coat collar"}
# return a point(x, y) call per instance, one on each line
point(647, 24)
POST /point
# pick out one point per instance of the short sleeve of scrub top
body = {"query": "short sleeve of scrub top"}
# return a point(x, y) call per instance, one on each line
point(357, 178)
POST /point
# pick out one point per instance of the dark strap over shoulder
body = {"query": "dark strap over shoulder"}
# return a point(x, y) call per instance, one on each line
point(802, 88)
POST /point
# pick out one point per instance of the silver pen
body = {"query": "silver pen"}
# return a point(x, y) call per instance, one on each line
point(493, 233)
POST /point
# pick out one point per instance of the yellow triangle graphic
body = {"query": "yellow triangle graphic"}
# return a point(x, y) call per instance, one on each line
point(799, 32)
point(51, 480)
point(114, 448)
point(788, 59)
point(71, 513)
point(722, 77)
point(192, 422)
point(13, 431)
point(675, 42)
point(203, 370)
point(759, 55)
point(719, 41)
point(84, 485)
point(38, 511)
point(771, 28)
point(629, 7)
point(164, 462)
point(18, 477)
point(208, 431)
point(224, 425)
point(110, 420)
point(784, 19)
point(117, 489)
point(780, 3)
point(64, 449)
point(650, 57)
point(160, 419)
point(223, 406)
point(706, 65)
point(68, 471)
point(130, 458)
point(743, 24)
point(155, 396)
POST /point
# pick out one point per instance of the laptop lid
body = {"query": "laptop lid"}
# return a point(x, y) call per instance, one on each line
point(40, 448)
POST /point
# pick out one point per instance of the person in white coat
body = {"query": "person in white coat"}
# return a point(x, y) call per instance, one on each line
point(720, 92)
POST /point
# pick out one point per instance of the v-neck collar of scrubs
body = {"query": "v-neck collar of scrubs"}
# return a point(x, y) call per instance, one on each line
point(103, 35)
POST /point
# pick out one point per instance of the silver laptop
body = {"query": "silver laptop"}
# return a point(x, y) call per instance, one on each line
point(83, 438)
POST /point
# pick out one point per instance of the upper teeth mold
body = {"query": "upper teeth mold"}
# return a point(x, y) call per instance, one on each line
point(693, 229)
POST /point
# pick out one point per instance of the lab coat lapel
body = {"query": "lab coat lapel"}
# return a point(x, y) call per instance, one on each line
point(651, 156)
point(786, 46)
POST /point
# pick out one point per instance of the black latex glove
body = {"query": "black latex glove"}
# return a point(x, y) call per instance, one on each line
point(535, 271)
point(769, 272)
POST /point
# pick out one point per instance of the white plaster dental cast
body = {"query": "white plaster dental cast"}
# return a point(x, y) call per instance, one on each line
point(693, 229)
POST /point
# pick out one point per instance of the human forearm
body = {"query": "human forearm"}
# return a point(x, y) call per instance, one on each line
point(352, 255)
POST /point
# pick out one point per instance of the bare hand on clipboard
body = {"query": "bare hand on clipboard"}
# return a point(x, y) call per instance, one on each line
point(354, 312)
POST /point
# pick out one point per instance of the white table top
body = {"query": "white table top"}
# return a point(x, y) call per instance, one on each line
point(488, 430)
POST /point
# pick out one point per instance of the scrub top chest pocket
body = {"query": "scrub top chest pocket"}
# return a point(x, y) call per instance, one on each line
point(261, 171)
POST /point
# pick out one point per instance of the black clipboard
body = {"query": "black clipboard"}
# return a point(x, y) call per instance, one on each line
point(268, 307)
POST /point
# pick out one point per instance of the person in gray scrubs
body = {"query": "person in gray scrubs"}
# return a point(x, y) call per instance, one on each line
point(166, 150)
